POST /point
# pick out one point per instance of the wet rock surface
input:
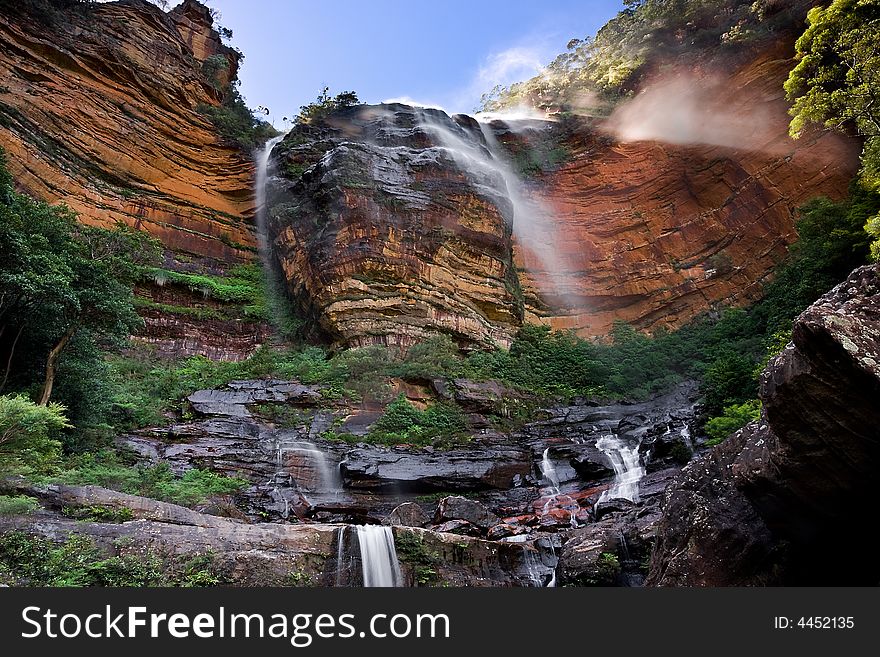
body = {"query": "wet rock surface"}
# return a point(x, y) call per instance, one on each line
point(771, 503)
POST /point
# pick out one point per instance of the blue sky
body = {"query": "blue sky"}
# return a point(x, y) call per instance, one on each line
point(445, 53)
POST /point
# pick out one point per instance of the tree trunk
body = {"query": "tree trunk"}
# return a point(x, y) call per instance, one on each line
point(9, 360)
point(52, 363)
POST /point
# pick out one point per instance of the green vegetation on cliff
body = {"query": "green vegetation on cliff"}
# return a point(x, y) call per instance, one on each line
point(837, 83)
point(595, 70)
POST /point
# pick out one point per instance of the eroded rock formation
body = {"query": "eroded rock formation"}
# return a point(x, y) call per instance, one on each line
point(655, 233)
point(384, 238)
point(99, 110)
point(776, 503)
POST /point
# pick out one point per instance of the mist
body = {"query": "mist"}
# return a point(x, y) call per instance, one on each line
point(688, 109)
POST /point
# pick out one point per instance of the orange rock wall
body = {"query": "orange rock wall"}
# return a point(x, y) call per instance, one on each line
point(99, 111)
point(655, 234)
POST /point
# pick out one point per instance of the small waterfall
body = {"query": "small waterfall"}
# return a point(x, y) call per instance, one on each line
point(378, 556)
point(549, 470)
point(686, 437)
point(628, 469)
point(328, 477)
point(340, 555)
point(261, 161)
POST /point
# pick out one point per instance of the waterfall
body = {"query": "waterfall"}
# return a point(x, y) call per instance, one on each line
point(261, 160)
point(329, 480)
point(340, 554)
point(378, 556)
point(628, 469)
point(549, 471)
point(481, 156)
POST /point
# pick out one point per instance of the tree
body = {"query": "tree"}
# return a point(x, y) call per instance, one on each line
point(325, 103)
point(837, 82)
point(28, 432)
point(58, 278)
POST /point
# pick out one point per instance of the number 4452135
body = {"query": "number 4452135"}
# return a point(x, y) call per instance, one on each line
point(814, 622)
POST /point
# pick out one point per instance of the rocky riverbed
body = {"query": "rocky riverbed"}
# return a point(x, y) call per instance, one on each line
point(527, 507)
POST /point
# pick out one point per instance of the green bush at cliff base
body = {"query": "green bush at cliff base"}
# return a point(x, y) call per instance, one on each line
point(27, 560)
point(105, 469)
point(440, 425)
point(735, 417)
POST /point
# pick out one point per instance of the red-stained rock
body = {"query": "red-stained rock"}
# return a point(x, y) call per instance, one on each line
point(655, 234)
point(100, 112)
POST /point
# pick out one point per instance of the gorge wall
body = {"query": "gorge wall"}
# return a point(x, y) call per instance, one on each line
point(99, 109)
point(654, 233)
point(392, 222)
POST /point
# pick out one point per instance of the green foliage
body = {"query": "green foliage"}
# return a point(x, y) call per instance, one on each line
point(61, 283)
point(411, 550)
point(236, 123)
point(436, 357)
point(99, 513)
point(325, 104)
point(594, 71)
point(29, 434)
point(156, 482)
point(440, 424)
point(211, 68)
point(836, 83)
point(36, 561)
point(17, 505)
point(734, 417)
point(609, 567)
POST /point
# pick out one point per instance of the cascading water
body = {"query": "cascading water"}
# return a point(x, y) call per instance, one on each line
point(379, 556)
point(549, 470)
point(262, 160)
point(566, 502)
point(480, 155)
point(628, 468)
point(340, 555)
point(328, 479)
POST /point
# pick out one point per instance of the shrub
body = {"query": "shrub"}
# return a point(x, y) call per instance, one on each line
point(236, 123)
point(440, 424)
point(735, 417)
point(29, 433)
point(156, 482)
point(77, 561)
point(17, 505)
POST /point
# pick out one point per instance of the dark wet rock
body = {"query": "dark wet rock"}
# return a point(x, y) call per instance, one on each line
point(478, 397)
point(458, 527)
point(591, 463)
point(771, 503)
point(460, 508)
point(590, 556)
point(504, 530)
point(614, 505)
point(408, 514)
point(381, 468)
point(233, 399)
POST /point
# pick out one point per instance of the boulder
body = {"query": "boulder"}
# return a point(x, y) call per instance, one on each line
point(379, 468)
point(408, 514)
point(770, 503)
point(460, 508)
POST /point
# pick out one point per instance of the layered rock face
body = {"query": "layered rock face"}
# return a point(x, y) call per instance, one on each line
point(542, 501)
point(655, 232)
point(389, 224)
point(776, 503)
point(98, 109)
point(385, 236)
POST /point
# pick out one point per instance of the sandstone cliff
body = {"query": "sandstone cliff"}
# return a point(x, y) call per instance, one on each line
point(655, 233)
point(777, 502)
point(98, 110)
point(392, 222)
